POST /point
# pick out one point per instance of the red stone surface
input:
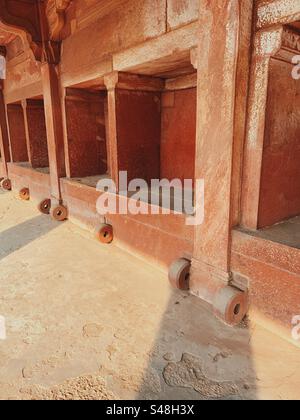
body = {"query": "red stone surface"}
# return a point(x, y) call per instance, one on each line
point(153, 137)
point(217, 66)
point(178, 140)
point(26, 177)
point(280, 181)
point(37, 134)
point(17, 133)
point(138, 133)
point(274, 273)
point(86, 136)
point(158, 238)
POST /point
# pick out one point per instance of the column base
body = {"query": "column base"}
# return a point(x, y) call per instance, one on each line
point(45, 206)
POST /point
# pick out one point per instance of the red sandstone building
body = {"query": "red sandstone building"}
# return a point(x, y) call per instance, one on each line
point(165, 89)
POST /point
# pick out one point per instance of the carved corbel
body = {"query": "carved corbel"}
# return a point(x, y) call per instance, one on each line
point(56, 16)
point(22, 20)
point(40, 22)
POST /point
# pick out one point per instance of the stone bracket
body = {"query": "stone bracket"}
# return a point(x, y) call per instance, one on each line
point(40, 22)
point(277, 12)
point(128, 81)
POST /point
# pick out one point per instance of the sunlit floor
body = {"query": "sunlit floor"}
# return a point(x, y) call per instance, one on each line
point(88, 321)
point(90, 181)
point(27, 165)
point(286, 233)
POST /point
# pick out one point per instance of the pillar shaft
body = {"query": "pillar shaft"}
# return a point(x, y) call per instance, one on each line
point(111, 81)
point(4, 136)
point(266, 44)
point(218, 51)
point(54, 127)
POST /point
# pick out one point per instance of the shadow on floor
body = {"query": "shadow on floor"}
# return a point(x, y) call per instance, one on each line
point(20, 235)
point(198, 357)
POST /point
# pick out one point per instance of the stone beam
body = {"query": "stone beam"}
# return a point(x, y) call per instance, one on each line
point(277, 12)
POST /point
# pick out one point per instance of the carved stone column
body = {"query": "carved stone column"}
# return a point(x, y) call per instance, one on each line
point(217, 68)
point(266, 45)
point(4, 136)
point(111, 82)
point(54, 127)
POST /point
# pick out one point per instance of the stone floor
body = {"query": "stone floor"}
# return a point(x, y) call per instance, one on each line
point(88, 321)
point(286, 233)
point(27, 165)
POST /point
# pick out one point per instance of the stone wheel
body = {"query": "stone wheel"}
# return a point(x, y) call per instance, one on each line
point(179, 274)
point(105, 234)
point(45, 206)
point(60, 213)
point(231, 305)
point(6, 184)
point(24, 194)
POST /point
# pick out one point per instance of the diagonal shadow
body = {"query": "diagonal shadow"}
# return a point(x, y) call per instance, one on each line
point(197, 357)
point(20, 235)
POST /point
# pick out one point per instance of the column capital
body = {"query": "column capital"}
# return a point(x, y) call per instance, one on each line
point(268, 42)
point(111, 80)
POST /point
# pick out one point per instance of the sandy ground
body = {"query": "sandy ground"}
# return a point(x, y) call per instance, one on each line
point(88, 321)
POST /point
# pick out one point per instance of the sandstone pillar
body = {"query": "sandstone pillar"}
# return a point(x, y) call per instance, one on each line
point(4, 136)
point(217, 69)
point(54, 127)
point(111, 82)
point(266, 44)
